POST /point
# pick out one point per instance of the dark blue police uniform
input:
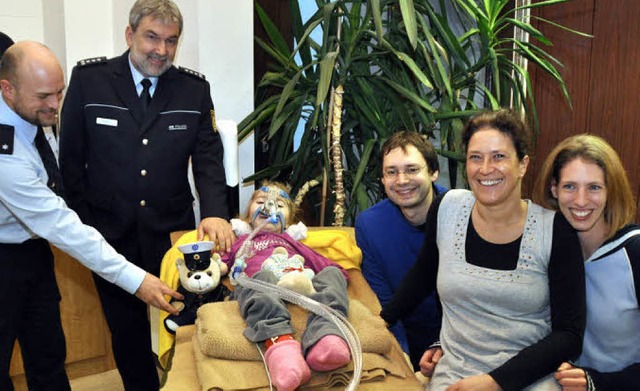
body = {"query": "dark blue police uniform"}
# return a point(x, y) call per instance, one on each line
point(125, 173)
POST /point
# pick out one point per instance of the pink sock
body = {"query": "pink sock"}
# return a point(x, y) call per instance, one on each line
point(286, 365)
point(329, 353)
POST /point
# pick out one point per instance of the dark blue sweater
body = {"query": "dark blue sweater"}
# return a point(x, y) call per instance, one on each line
point(390, 245)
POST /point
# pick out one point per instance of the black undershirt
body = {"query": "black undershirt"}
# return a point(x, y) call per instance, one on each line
point(490, 255)
point(566, 285)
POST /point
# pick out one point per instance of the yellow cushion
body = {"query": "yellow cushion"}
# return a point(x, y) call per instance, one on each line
point(335, 243)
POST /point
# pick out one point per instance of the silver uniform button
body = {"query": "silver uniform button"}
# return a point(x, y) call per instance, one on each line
point(145, 141)
point(143, 172)
point(143, 203)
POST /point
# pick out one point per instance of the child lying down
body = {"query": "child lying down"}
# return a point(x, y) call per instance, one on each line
point(274, 255)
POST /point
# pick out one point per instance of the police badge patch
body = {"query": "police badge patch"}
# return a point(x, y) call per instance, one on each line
point(6, 139)
point(213, 121)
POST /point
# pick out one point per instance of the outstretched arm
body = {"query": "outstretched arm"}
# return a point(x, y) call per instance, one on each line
point(73, 149)
point(209, 173)
point(152, 291)
point(219, 231)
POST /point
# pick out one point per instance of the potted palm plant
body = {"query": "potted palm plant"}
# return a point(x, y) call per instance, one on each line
point(383, 66)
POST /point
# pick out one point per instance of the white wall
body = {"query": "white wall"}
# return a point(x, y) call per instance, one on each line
point(217, 40)
point(225, 47)
point(22, 19)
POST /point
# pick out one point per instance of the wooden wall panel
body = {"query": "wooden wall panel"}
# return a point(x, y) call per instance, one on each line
point(602, 78)
point(557, 119)
point(616, 82)
point(86, 331)
point(87, 335)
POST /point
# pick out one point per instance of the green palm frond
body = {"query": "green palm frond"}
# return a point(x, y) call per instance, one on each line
point(423, 65)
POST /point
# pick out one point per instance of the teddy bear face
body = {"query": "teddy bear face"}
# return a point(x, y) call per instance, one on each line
point(199, 281)
point(197, 286)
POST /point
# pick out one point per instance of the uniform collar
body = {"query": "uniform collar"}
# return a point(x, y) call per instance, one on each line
point(23, 129)
point(137, 78)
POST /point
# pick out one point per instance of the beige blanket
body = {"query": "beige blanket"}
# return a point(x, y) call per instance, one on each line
point(190, 374)
point(218, 374)
point(224, 357)
point(219, 329)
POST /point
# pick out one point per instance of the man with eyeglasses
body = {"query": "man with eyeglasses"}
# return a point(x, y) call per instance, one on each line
point(129, 127)
point(390, 233)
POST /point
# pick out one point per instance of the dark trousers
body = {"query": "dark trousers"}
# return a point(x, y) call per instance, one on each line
point(420, 338)
point(31, 314)
point(127, 317)
point(267, 316)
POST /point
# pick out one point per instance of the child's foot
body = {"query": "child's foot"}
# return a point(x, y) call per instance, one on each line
point(329, 353)
point(287, 367)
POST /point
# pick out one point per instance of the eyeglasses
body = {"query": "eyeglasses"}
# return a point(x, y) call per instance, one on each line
point(410, 172)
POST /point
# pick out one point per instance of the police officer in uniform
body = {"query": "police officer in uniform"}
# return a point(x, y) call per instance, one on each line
point(129, 127)
point(31, 213)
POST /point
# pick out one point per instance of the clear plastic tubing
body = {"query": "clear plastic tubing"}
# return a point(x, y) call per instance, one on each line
point(309, 304)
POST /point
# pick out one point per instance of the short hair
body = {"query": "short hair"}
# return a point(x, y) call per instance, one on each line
point(405, 138)
point(507, 122)
point(9, 64)
point(288, 201)
point(5, 42)
point(13, 60)
point(166, 10)
point(620, 209)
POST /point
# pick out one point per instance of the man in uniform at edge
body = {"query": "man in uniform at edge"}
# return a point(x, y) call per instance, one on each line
point(31, 214)
point(125, 164)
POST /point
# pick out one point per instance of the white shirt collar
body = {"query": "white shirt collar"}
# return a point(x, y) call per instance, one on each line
point(137, 78)
point(23, 129)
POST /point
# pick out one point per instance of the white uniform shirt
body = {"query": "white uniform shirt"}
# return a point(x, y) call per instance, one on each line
point(29, 210)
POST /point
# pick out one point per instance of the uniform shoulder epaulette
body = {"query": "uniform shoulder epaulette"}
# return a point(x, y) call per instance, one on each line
point(92, 61)
point(6, 139)
point(191, 72)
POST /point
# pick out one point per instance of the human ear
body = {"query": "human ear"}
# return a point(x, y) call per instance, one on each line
point(7, 88)
point(434, 176)
point(554, 189)
point(128, 35)
point(524, 164)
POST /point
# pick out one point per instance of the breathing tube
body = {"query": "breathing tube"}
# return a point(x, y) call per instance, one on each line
point(270, 208)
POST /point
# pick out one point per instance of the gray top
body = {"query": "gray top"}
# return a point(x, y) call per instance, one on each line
point(489, 315)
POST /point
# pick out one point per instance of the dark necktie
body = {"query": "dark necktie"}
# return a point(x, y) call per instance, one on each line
point(50, 163)
point(145, 96)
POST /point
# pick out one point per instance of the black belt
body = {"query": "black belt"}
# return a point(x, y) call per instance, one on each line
point(26, 243)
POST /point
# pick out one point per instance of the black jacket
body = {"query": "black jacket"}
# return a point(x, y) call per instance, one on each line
point(121, 170)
